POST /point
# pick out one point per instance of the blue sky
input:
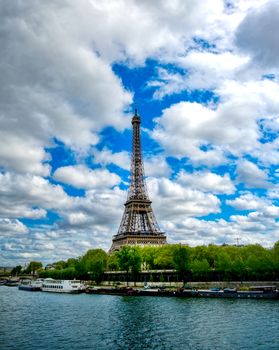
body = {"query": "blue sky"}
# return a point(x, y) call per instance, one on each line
point(204, 78)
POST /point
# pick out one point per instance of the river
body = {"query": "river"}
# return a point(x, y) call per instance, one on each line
point(37, 320)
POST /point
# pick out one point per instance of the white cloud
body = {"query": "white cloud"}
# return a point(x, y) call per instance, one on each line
point(153, 165)
point(148, 28)
point(57, 82)
point(238, 230)
point(257, 34)
point(208, 70)
point(173, 201)
point(106, 157)
point(167, 83)
point(204, 70)
point(207, 182)
point(273, 192)
point(247, 201)
point(22, 154)
point(100, 209)
point(82, 177)
point(52, 84)
point(156, 166)
point(11, 227)
point(251, 175)
point(231, 128)
point(28, 196)
point(180, 123)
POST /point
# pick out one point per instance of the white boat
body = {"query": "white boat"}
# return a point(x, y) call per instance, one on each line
point(30, 285)
point(62, 286)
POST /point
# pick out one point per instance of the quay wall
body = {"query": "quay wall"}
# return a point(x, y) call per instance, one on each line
point(201, 285)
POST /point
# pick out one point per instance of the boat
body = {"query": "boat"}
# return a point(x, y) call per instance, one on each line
point(266, 292)
point(12, 282)
point(62, 286)
point(162, 292)
point(256, 292)
point(111, 291)
point(30, 285)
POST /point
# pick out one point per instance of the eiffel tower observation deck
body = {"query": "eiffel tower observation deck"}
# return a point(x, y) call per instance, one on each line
point(138, 225)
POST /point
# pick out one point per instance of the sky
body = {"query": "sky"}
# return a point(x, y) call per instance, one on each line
point(204, 77)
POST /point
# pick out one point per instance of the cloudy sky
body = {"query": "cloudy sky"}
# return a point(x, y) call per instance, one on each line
point(204, 77)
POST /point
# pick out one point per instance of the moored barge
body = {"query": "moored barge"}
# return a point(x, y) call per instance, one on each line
point(266, 292)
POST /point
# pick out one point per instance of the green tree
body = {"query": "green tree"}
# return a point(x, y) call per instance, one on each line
point(60, 265)
point(129, 260)
point(164, 257)
point(200, 269)
point(16, 270)
point(148, 256)
point(181, 260)
point(212, 252)
point(71, 262)
point(113, 262)
point(275, 256)
point(223, 266)
point(93, 263)
point(33, 267)
point(199, 253)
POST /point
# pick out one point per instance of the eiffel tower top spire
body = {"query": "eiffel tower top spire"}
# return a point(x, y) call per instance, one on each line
point(137, 188)
point(138, 225)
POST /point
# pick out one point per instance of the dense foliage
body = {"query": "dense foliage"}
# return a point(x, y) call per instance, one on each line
point(201, 263)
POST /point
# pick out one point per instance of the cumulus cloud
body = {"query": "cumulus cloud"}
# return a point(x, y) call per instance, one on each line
point(207, 182)
point(257, 36)
point(251, 175)
point(59, 87)
point(247, 201)
point(99, 209)
point(53, 85)
point(86, 222)
point(11, 227)
point(82, 177)
point(206, 135)
point(208, 70)
point(172, 200)
point(156, 166)
point(238, 230)
point(149, 28)
point(106, 157)
point(28, 196)
point(201, 70)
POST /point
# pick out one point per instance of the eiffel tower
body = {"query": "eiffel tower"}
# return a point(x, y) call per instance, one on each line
point(138, 225)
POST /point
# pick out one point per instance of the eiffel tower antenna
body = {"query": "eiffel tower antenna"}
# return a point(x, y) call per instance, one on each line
point(138, 225)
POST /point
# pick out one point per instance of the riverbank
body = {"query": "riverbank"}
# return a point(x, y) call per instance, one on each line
point(239, 285)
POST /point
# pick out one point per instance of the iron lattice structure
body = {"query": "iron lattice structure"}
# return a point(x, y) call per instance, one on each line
point(138, 225)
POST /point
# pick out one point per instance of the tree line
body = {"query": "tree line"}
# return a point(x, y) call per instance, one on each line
point(201, 263)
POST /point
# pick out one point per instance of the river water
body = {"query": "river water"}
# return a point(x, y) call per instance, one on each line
point(55, 321)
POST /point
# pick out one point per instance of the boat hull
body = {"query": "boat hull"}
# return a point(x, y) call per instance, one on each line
point(29, 288)
point(62, 291)
point(238, 295)
point(186, 293)
point(12, 284)
point(112, 291)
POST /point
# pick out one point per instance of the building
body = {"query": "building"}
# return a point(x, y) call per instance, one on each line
point(138, 225)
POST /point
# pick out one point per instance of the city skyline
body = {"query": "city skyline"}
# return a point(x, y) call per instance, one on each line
point(204, 78)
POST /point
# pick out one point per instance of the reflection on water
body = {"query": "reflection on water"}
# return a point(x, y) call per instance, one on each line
point(54, 321)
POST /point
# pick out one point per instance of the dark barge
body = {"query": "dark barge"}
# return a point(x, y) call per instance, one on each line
point(266, 292)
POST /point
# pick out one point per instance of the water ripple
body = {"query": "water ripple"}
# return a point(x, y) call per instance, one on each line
point(52, 321)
